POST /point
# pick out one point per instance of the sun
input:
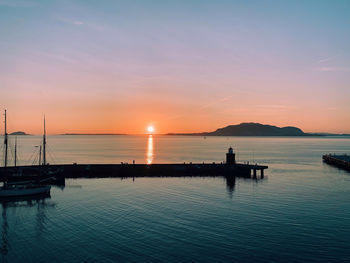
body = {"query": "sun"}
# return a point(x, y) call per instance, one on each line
point(150, 129)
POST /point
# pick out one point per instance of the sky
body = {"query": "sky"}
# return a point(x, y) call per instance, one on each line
point(181, 66)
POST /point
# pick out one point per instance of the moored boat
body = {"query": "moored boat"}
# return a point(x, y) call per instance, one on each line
point(23, 190)
point(40, 174)
point(32, 174)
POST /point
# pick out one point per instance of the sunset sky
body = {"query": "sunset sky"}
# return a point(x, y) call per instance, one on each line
point(182, 66)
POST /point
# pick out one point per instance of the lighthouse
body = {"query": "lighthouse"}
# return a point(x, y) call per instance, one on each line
point(230, 156)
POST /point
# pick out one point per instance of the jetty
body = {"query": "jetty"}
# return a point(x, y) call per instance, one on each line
point(230, 168)
point(340, 161)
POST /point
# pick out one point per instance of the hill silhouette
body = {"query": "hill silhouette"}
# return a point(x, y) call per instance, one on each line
point(18, 133)
point(257, 129)
point(251, 129)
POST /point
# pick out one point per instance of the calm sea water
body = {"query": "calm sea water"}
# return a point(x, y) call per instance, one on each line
point(299, 213)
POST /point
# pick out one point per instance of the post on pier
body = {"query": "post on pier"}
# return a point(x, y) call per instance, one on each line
point(254, 173)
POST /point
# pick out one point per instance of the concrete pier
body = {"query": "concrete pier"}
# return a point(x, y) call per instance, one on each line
point(228, 169)
point(340, 161)
point(142, 170)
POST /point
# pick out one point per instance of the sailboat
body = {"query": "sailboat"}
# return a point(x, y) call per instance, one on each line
point(24, 189)
point(42, 173)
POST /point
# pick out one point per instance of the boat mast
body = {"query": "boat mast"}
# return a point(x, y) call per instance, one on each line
point(44, 144)
point(16, 152)
point(5, 142)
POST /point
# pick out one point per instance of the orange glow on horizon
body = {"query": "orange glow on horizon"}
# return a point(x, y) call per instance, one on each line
point(175, 115)
point(88, 122)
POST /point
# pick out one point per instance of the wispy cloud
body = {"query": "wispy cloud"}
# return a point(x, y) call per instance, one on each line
point(216, 102)
point(78, 23)
point(226, 98)
point(327, 59)
point(326, 67)
point(69, 20)
point(334, 69)
point(273, 106)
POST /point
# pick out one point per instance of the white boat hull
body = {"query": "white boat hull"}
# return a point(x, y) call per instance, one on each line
point(24, 191)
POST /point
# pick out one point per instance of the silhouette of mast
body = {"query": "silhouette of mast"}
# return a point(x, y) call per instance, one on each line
point(44, 144)
point(5, 141)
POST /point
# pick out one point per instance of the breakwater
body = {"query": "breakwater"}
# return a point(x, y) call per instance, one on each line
point(138, 170)
point(57, 173)
point(340, 161)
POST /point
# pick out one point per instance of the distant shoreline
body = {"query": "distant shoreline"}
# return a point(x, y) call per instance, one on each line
point(303, 135)
point(190, 134)
point(244, 129)
point(93, 134)
point(249, 129)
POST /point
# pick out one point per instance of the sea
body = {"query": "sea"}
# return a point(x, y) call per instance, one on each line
point(299, 212)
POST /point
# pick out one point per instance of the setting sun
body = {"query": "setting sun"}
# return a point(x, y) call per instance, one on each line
point(150, 129)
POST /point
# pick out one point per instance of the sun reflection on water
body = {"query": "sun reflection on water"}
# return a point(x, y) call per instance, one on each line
point(149, 149)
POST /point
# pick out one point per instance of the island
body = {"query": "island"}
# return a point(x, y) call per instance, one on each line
point(251, 129)
point(19, 133)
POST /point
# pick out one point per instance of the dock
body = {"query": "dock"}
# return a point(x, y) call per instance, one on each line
point(123, 170)
point(142, 170)
point(340, 161)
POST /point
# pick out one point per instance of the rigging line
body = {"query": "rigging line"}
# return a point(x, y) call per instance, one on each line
point(17, 153)
point(12, 153)
point(48, 154)
point(51, 158)
point(31, 161)
point(52, 155)
point(3, 156)
point(30, 158)
point(17, 148)
point(48, 151)
point(35, 159)
point(2, 149)
point(18, 158)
